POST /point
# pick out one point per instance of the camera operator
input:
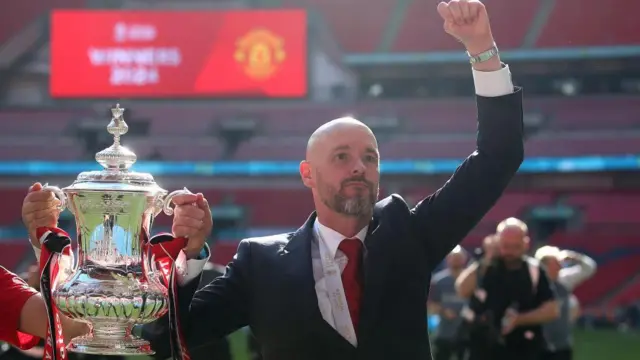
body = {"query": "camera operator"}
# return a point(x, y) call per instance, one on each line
point(445, 302)
point(467, 282)
point(559, 342)
point(513, 299)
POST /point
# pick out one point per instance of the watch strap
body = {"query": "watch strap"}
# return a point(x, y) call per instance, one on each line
point(483, 56)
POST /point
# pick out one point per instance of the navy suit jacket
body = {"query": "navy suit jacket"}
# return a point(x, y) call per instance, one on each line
point(269, 285)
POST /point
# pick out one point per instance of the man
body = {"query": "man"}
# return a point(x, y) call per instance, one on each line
point(559, 341)
point(512, 301)
point(352, 281)
point(468, 280)
point(24, 318)
point(445, 302)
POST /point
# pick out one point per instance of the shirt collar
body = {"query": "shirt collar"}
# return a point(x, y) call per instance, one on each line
point(332, 238)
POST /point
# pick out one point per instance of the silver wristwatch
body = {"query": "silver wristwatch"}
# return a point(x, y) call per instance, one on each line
point(483, 56)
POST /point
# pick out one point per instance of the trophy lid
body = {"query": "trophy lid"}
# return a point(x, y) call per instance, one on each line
point(116, 161)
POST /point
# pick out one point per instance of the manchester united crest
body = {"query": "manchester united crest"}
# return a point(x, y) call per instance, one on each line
point(260, 52)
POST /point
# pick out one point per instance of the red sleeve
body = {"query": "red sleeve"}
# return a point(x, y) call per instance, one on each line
point(14, 293)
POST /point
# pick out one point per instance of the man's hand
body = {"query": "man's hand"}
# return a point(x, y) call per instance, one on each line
point(73, 328)
point(510, 321)
point(467, 21)
point(39, 209)
point(192, 220)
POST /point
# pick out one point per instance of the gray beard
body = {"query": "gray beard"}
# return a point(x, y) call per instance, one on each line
point(354, 207)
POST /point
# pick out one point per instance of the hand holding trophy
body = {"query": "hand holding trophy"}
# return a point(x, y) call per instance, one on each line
point(115, 283)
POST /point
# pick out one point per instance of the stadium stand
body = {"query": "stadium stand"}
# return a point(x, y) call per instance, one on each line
point(24, 12)
point(421, 29)
point(353, 36)
point(626, 296)
point(573, 24)
point(12, 252)
point(618, 256)
point(436, 129)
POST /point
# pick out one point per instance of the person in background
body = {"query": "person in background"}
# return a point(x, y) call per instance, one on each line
point(469, 278)
point(557, 334)
point(445, 302)
point(574, 309)
point(512, 301)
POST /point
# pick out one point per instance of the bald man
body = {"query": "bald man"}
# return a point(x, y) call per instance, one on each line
point(352, 282)
point(559, 333)
point(516, 295)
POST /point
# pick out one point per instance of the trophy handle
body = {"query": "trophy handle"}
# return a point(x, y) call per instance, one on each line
point(58, 193)
point(168, 200)
point(151, 269)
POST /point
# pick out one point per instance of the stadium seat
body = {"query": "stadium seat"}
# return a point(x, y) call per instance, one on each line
point(610, 275)
point(269, 148)
point(596, 245)
point(22, 13)
point(589, 112)
point(12, 252)
point(576, 23)
point(354, 33)
point(581, 144)
point(422, 27)
point(294, 204)
point(607, 207)
point(628, 295)
point(39, 123)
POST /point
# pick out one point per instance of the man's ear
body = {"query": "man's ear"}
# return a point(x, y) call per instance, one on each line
point(306, 174)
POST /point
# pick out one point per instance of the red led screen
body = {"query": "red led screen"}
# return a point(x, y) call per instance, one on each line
point(152, 54)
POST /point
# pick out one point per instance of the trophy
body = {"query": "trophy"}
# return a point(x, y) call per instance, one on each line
point(115, 283)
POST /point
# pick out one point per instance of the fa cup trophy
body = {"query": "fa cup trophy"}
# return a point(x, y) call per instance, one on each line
point(115, 283)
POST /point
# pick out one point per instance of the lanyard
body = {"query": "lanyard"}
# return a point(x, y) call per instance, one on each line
point(335, 291)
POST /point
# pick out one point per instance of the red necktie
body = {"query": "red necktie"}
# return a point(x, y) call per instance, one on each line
point(351, 282)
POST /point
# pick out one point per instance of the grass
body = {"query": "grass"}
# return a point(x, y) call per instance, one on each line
point(606, 344)
point(590, 345)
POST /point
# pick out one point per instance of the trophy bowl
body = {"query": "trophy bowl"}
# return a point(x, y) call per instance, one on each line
point(114, 284)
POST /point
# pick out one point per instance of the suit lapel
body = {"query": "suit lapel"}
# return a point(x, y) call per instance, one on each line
point(375, 271)
point(299, 276)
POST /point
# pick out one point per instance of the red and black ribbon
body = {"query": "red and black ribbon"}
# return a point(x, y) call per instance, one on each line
point(169, 259)
point(55, 243)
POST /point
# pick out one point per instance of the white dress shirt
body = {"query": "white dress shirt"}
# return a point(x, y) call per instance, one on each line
point(332, 240)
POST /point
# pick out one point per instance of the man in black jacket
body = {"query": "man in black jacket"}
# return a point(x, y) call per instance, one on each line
point(351, 283)
point(512, 301)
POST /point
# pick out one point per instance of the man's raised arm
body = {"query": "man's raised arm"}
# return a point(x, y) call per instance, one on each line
point(444, 218)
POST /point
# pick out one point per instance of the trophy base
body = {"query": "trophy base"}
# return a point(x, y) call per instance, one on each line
point(110, 340)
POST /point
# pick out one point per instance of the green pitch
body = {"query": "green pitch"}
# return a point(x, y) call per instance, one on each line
point(590, 345)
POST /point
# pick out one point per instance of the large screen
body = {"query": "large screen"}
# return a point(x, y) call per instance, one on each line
point(153, 54)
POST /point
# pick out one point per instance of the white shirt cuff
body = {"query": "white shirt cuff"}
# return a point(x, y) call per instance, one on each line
point(493, 83)
point(193, 269)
